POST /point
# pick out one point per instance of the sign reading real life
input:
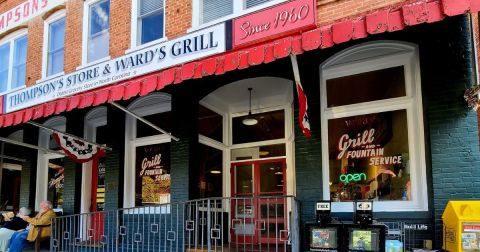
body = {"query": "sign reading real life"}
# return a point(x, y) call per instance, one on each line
point(156, 57)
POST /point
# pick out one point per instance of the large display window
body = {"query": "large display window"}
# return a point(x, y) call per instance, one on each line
point(147, 152)
point(372, 128)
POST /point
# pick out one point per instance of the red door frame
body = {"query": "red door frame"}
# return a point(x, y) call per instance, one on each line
point(259, 223)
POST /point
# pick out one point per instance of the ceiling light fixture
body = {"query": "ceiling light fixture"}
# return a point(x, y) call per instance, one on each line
point(250, 120)
point(215, 172)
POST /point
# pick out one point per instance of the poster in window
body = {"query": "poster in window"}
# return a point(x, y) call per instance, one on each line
point(101, 185)
point(55, 182)
point(369, 157)
point(152, 174)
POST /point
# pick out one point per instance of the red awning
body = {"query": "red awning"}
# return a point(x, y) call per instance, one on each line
point(384, 20)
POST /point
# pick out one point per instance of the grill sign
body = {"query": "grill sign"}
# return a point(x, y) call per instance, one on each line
point(292, 16)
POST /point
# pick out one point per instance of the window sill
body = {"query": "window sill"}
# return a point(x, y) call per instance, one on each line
point(234, 15)
point(146, 45)
point(50, 77)
point(93, 63)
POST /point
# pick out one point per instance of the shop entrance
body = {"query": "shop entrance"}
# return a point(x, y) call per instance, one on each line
point(258, 210)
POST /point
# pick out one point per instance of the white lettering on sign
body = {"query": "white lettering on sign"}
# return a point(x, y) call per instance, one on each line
point(362, 139)
point(152, 166)
point(25, 12)
point(365, 140)
point(156, 57)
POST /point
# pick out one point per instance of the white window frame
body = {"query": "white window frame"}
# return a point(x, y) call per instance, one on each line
point(238, 10)
point(46, 39)
point(10, 39)
point(135, 40)
point(58, 123)
point(94, 119)
point(370, 57)
point(132, 142)
point(85, 34)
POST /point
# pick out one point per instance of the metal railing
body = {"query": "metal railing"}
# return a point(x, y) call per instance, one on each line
point(213, 224)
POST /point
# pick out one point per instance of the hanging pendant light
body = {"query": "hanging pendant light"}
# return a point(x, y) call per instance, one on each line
point(250, 120)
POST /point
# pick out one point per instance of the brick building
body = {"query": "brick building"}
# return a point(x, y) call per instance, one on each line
point(199, 107)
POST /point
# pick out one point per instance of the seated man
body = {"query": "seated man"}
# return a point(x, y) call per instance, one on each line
point(38, 228)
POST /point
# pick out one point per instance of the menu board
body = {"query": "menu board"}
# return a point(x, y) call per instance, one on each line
point(152, 171)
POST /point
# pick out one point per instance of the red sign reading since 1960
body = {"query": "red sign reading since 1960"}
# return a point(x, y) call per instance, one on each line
point(292, 16)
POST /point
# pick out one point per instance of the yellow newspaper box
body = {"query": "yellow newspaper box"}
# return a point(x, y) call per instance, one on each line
point(461, 220)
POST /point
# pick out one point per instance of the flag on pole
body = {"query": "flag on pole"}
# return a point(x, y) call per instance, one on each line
point(302, 100)
point(302, 113)
point(76, 149)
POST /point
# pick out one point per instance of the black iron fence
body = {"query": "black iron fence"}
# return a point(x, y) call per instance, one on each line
point(213, 224)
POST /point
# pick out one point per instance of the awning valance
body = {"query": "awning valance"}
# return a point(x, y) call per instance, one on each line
point(384, 20)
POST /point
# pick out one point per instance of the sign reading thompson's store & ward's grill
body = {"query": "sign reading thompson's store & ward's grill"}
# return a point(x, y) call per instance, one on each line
point(156, 57)
point(292, 16)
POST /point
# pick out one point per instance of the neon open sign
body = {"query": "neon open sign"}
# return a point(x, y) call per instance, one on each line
point(355, 177)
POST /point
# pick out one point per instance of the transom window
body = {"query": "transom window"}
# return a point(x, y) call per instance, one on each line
point(97, 28)
point(13, 59)
point(373, 147)
point(209, 11)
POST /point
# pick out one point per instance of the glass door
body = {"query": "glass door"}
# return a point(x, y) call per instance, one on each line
point(258, 205)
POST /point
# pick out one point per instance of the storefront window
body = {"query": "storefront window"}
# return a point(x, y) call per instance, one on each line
point(270, 126)
point(210, 123)
point(258, 152)
point(152, 174)
point(365, 87)
point(162, 120)
point(210, 172)
point(55, 182)
point(368, 156)
point(372, 128)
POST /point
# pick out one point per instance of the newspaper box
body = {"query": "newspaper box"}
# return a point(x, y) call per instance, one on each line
point(461, 220)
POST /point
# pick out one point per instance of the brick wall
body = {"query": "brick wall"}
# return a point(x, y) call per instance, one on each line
point(453, 127)
point(178, 20)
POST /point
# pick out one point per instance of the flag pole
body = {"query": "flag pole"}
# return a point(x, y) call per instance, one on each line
point(70, 135)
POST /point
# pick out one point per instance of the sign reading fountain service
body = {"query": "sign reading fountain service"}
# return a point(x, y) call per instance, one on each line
point(160, 56)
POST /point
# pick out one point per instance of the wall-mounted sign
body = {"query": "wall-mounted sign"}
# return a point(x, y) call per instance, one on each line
point(292, 16)
point(25, 12)
point(156, 57)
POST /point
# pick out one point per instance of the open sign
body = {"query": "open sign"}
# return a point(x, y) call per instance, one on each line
point(355, 177)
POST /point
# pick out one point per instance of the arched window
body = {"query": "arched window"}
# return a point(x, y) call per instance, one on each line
point(50, 167)
point(147, 152)
point(372, 128)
